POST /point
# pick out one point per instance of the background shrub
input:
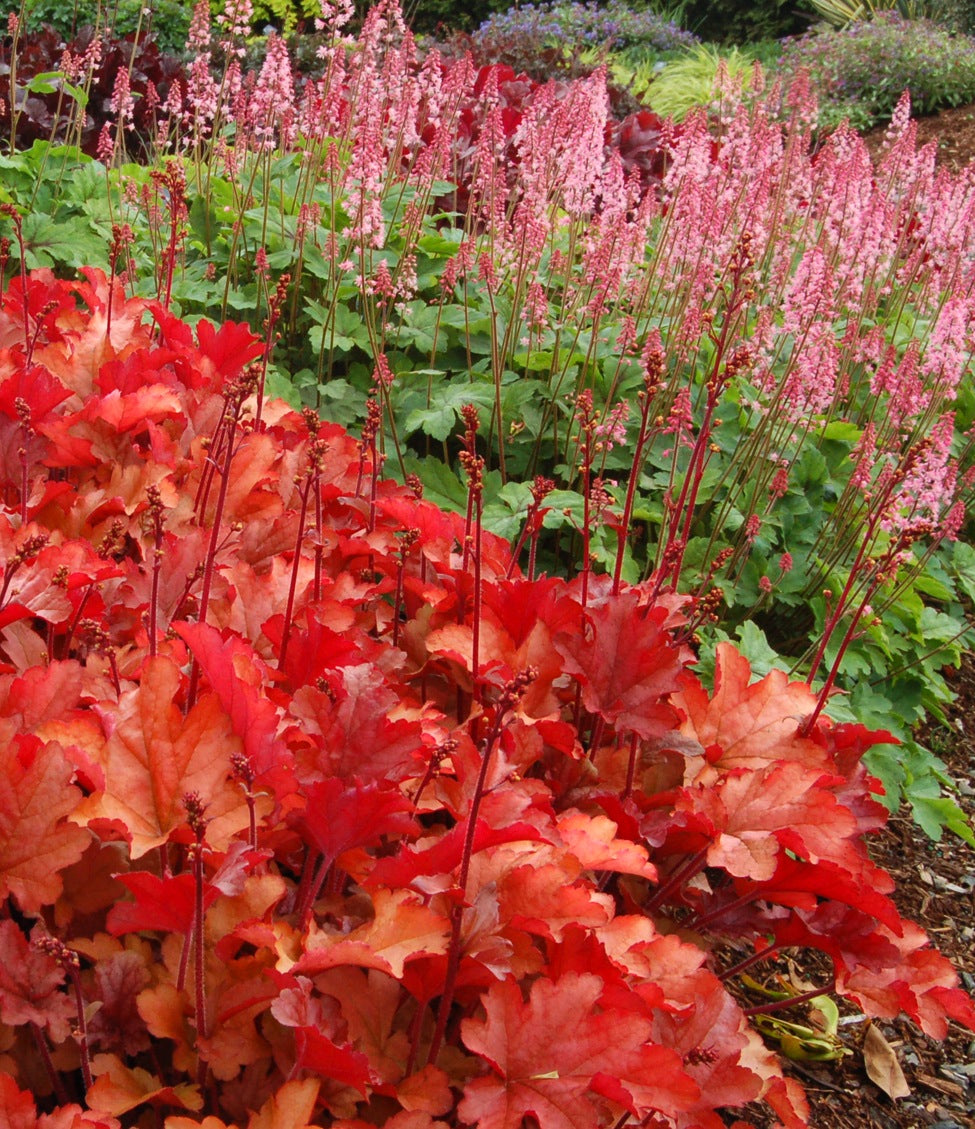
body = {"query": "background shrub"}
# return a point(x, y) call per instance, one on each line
point(42, 94)
point(728, 21)
point(167, 21)
point(862, 70)
point(615, 25)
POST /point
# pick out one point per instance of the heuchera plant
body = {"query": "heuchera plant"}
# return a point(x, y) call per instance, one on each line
point(316, 810)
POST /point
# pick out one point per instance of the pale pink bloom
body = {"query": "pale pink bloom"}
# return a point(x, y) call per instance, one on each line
point(406, 278)
point(863, 457)
point(309, 217)
point(123, 104)
point(612, 431)
point(335, 16)
point(271, 112)
point(105, 146)
point(93, 54)
point(927, 491)
point(947, 354)
point(811, 384)
point(198, 38)
point(72, 65)
point(201, 95)
point(381, 283)
point(952, 522)
point(809, 295)
point(908, 395)
point(235, 24)
point(486, 270)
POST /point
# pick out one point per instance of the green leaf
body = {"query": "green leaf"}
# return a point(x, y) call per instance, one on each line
point(754, 645)
point(440, 485)
point(936, 814)
point(66, 242)
point(50, 82)
point(839, 429)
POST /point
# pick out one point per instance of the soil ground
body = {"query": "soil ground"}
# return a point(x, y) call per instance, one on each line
point(935, 884)
point(954, 130)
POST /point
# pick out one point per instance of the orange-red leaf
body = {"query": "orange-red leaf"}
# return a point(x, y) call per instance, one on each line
point(627, 666)
point(551, 1056)
point(36, 840)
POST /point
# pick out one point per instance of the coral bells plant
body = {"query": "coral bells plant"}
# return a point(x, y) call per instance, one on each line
point(317, 810)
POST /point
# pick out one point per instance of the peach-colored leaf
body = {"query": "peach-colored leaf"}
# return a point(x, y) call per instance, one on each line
point(291, 1107)
point(36, 840)
point(117, 1089)
point(403, 928)
point(154, 756)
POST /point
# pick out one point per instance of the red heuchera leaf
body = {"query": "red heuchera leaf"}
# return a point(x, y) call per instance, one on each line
point(627, 666)
point(402, 929)
point(30, 986)
point(117, 1025)
point(17, 1111)
point(552, 1055)
point(236, 676)
point(339, 816)
point(358, 736)
point(41, 391)
point(42, 693)
point(167, 904)
point(922, 984)
point(36, 840)
point(320, 1035)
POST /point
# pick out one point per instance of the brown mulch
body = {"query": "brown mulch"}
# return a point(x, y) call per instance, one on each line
point(954, 130)
point(935, 884)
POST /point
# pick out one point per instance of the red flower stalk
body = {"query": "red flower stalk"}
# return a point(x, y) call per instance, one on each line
point(509, 697)
point(69, 960)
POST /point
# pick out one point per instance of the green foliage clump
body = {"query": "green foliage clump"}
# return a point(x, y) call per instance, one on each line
point(861, 71)
point(284, 15)
point(167, 21)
